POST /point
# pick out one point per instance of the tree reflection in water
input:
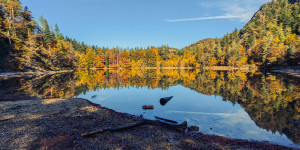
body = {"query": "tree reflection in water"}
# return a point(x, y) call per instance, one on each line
point(271, 100)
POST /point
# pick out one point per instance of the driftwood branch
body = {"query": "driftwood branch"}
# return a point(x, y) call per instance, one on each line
point(115, 129)
point(171, 121)
point(181, 127)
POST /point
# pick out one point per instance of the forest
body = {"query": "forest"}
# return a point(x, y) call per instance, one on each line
point(270, 38)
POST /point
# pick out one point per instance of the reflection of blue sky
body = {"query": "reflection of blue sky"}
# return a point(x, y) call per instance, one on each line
point(210, 113)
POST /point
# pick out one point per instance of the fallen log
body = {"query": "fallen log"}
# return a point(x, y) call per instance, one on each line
point(181, 127)
point(164, 101)
point(148, 107)
point(171, 121)
point(167, 98)
point(114, 129)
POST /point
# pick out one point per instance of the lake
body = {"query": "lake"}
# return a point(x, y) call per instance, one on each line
point(237, 104)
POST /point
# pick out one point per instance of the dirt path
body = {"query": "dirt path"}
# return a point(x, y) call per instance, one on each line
point(58, 124)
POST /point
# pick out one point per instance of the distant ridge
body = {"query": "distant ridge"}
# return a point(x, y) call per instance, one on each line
point(270, 38)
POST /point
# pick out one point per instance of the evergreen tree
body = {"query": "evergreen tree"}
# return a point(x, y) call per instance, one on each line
point(46, 30)
point(57, 32)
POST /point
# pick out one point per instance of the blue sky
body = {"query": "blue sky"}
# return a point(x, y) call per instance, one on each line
point(141, 23)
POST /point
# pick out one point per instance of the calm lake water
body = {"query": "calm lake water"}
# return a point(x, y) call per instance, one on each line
point(236, 104)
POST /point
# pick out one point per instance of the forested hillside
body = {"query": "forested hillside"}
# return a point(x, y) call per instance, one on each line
point(30, 45)
point(27, 45)
point(271, 38)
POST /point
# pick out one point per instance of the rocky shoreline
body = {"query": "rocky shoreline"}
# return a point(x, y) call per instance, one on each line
point(59, 123)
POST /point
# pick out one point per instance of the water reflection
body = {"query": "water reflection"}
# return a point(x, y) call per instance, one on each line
point(272, 101)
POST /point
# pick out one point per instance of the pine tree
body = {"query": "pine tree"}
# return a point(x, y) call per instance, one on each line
point(46, 30)
point(57, 32)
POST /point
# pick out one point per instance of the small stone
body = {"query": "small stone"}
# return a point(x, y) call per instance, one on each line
point(193, 128)
point(170, 140)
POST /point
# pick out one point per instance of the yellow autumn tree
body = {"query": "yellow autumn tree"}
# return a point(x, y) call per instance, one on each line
point(99, 59)
point(90, 57)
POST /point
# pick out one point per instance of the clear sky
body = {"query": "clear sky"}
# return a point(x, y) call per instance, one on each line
point(141, 23)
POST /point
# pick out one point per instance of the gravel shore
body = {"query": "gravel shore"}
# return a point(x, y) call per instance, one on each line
point(59, 123)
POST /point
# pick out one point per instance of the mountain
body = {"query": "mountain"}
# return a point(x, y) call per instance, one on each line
point(270, 38)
